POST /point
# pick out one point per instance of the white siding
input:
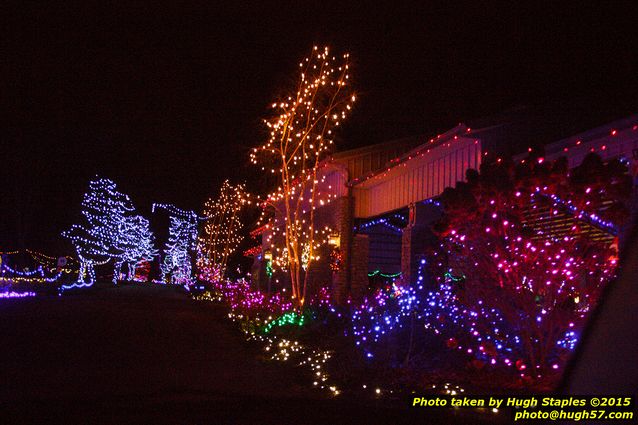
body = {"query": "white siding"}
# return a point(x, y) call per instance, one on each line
point(422, 177)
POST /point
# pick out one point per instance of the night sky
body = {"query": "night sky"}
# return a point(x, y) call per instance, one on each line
point(167, 100)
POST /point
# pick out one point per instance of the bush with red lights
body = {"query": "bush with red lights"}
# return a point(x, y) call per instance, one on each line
point(510, 285)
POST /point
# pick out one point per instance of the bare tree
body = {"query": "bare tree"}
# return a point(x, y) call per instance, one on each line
point(300, 136)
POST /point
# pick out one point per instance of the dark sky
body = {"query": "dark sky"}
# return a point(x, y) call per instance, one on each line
point(167, 100)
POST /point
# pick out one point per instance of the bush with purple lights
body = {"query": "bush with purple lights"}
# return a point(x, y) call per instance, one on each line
point(523, 257)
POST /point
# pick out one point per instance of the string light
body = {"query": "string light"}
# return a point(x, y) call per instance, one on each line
point(386, 275)
point(380, 221)
point(592, 141)
point(13, 294)
point(176, 212)
point(28, 276)
point(290, 318)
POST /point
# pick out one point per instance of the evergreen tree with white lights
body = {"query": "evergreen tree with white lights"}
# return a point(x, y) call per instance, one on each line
point(177, 253)
point(136, 241)
point(103, 209)
point(220, 236)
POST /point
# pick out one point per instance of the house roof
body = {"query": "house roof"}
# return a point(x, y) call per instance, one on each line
point(433, 142)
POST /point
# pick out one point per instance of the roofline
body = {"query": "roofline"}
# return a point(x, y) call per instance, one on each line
point(432, 143)
point(593, 134)
point(370, 148)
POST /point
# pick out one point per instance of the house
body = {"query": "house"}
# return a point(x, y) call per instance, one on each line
point(378, 201)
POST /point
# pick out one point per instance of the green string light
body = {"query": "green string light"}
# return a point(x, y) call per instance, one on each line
point(386, 275)
point(269, 268)
point(449, 275)
point(290, 318)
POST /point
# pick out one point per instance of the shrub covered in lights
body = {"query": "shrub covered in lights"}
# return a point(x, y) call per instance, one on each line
point(524, 254)
point(246, 301)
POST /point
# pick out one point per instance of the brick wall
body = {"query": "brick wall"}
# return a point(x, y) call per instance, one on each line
point(342, 221)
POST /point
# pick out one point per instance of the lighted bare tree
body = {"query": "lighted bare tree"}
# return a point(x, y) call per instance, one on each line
point(300, 135)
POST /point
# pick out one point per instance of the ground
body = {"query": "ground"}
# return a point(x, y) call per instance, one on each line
point(149, 354)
